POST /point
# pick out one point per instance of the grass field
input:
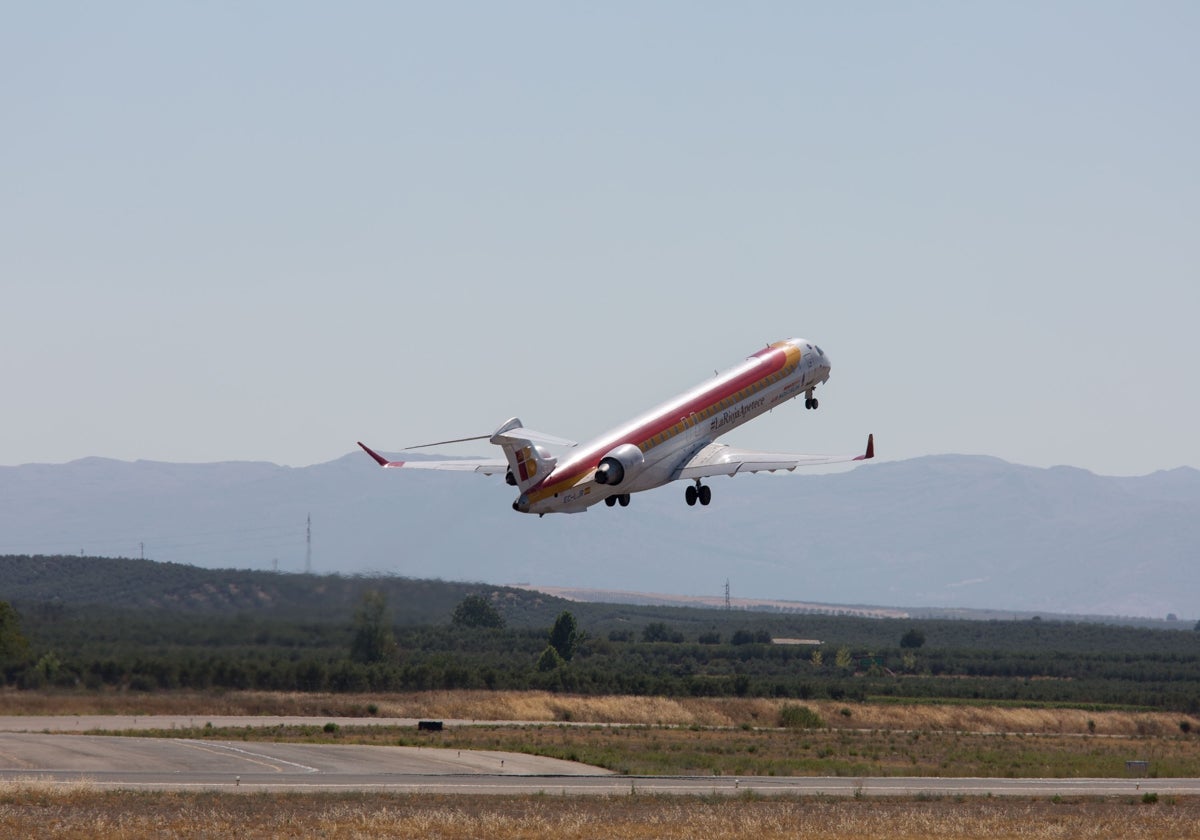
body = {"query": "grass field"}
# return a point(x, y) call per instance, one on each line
point(690, 751)
point(30, 809)
point(651, 711)
point(661, 736)
point(653, 736)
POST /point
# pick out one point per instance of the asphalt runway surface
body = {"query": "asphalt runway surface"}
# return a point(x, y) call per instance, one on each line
point(104, 761)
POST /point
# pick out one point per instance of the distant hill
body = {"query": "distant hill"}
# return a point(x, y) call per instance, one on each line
point(945, 531)
point(145, 585)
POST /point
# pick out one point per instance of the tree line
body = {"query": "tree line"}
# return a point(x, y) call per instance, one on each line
point(696, 653)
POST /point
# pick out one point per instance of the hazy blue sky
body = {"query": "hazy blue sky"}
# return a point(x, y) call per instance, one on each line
point(266, 230)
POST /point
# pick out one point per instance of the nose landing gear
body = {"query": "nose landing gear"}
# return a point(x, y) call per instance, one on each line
point(809, 400)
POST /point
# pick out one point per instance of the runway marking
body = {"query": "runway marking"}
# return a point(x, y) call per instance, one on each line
point(251, 756)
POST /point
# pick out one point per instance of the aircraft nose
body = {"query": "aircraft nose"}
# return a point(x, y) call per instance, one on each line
point(822, 357)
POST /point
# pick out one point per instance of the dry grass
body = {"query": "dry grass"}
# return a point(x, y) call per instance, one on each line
point(649, 711)
point(30, 811)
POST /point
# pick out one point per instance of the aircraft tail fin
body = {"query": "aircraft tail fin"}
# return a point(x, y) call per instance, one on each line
point(528, 463)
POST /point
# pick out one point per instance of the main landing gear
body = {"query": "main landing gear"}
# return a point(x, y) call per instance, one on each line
point(809, 400)
point(697, 493)
point(620, 498)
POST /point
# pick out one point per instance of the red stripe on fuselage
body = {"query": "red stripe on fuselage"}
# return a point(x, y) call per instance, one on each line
point(772, 360)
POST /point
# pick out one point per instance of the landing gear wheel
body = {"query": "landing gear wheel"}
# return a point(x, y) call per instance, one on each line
point(623, 499)
point(705, 494)
point(610, 500)
point(690, 495)
point(815, 403)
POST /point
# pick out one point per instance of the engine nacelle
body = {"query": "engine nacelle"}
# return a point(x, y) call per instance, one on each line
point(619, 465)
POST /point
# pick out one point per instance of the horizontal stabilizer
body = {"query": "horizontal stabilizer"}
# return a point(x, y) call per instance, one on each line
point(441, 442)
point(519, 433)
point(488, 466)
point(509, 432)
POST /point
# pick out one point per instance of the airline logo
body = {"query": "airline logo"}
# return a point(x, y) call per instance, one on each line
point(526, 463)
point(776, 362)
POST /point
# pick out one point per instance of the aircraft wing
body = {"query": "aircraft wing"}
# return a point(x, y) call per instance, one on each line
point(719, 459)
point(489, 466)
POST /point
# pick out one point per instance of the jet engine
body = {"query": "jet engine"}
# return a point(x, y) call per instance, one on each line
point(620, 464)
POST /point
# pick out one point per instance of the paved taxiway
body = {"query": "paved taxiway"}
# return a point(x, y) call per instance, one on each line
point(182, 763)
point(185, 762)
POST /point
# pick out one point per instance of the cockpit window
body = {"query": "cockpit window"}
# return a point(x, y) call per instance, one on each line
point(820, 352)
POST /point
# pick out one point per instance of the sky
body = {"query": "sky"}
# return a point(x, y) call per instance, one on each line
point(263, 231)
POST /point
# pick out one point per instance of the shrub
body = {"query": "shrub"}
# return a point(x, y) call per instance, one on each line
point(741, 685)
point(476, 611)
point(549, 660)
point(658, 631)
point(792, 716)
point(751, 637)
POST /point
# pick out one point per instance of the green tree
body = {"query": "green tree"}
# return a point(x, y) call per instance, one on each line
point(913, 638)
point(549, 660)
point(751, 637)
point(658, 631)
point(14, 647)
point(48, 666)
point(564, 636)
point(476, 611)
point(373, 638)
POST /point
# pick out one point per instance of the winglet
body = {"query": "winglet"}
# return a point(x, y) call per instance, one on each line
point(870, 453)
point(379, 459)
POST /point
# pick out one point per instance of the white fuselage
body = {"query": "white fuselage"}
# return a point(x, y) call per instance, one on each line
point(669, 434)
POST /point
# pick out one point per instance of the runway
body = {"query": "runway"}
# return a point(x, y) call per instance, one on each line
point(173, 763)
point(242, 766)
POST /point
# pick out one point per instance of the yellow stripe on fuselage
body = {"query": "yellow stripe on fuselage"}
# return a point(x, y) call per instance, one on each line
point(792, 356)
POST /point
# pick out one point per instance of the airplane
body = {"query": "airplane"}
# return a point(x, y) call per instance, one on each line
point(675, 441)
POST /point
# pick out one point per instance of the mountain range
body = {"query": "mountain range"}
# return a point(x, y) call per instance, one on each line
point(946, 530)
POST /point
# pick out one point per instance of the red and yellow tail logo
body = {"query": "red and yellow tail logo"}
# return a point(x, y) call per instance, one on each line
point(526, 463)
